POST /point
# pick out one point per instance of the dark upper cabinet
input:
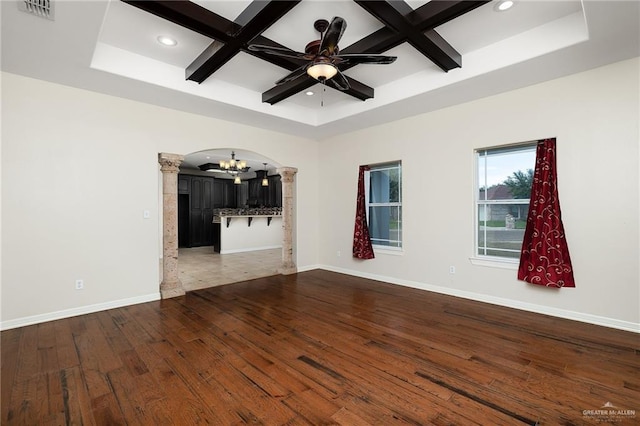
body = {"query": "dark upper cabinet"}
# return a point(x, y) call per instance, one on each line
point(195, 216)
point(184, 184)
point(197, 212)
point(263, 196)
point(275, 191)
point(242, 194)
point(255, 194)
point(229, 196)
point(218, 193)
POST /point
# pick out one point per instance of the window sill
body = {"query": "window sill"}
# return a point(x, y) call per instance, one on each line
point(387, 250)
point(495, 262)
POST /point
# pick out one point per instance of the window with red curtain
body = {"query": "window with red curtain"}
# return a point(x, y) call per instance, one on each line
point(545, 259)
point(362, 247)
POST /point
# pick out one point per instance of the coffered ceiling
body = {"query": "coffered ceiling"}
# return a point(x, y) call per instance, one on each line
point(112, 47)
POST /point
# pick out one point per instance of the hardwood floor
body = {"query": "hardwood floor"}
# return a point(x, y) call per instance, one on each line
point(318, 348)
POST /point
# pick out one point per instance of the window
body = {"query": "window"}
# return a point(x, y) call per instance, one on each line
point(504, 177)
point(383, 185)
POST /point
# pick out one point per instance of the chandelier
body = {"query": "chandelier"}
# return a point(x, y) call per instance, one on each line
point(233, 167)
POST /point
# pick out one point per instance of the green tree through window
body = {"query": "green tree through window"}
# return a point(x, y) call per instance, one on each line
point(520, 184)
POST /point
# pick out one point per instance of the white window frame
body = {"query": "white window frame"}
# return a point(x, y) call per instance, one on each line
point(367, 186)
point(489, 260)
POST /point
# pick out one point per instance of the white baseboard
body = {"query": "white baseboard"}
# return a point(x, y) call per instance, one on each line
point(530, 307)
point(244, 250)
point(67, 313)
point(310, 268)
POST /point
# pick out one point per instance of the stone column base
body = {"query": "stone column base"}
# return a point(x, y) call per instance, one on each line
point(288, 269)
point(173, 289)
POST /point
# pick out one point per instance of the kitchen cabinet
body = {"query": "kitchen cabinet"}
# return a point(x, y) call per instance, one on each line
point(264, 196)
point(255, 193)
point(218, 193)
point(242, 194)
point(184, 184)
point(274, 192)
point(201, 211)
point(196, 197)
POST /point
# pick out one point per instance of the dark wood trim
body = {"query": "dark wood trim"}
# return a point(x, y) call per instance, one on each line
point(188, 15)
point(230, 38)
point(395, 15)
point(402, 24)
point(256, 18)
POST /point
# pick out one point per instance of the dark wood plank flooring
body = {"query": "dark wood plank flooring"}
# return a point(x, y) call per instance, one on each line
point(317, 348)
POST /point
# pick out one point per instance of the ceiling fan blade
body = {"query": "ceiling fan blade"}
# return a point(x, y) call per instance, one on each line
point(293, 75)
point(278, 51)
point(338, 81)
point(332, 36)
point(363, 58)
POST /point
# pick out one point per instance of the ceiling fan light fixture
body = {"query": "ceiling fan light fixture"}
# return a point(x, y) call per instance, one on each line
point(322, 71)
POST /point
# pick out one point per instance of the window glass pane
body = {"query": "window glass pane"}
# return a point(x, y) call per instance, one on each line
point(504, 176)
point(501, 229)
point(384, 204)
point(385, 225)
point(385, 186)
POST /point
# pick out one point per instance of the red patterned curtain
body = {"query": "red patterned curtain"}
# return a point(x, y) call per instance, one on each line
point(545, 255)
point(362, 248)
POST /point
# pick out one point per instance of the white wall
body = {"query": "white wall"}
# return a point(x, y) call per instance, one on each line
point(78, 170)
point(594, 116)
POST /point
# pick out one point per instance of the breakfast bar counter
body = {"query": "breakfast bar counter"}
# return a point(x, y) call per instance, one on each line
point(243, 230)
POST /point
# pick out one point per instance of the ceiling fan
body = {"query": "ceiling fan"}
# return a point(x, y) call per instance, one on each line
point(323, 55)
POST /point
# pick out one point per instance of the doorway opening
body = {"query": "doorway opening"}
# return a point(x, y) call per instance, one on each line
point(203, 196)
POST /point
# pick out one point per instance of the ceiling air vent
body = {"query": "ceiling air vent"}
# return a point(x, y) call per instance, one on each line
point(41, 8)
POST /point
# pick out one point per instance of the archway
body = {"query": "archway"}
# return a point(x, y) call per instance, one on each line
point(171, 285)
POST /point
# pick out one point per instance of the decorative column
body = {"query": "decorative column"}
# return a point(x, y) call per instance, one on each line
point(171, 285)
point(286, 176)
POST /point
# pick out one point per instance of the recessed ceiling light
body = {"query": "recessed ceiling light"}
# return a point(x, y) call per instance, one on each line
point(504, 5)
point(167, 41)
point(309, 93)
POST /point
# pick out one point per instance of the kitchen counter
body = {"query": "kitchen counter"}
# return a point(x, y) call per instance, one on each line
point(243, 230)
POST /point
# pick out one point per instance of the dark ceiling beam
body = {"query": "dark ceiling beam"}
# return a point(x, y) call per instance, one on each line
point(423, 19)
point(377, 42)
point(439, 12)
point(228, 33)
point(232, 37)
point(394, 14)
point(255, 19)
point(188, 15)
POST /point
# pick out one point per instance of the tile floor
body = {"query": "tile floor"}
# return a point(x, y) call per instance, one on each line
point(201, 267)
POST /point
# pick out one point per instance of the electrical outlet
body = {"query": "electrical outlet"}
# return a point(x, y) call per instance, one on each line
point(338, 253)
point(79, 284)
point(452, 269)
point(146, 214)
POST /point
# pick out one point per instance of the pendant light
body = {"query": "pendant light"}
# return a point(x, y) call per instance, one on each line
point(265, 181)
